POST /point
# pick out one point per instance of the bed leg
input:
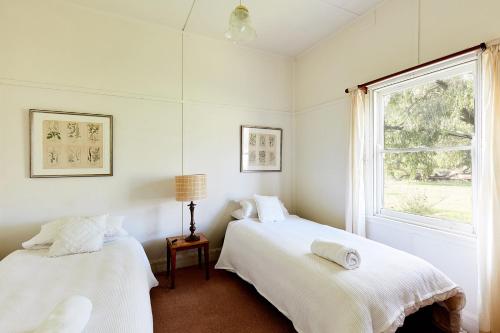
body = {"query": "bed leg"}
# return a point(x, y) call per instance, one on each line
point(199, 257)
point(172, 275)
point(168, 262)
point(207, 262)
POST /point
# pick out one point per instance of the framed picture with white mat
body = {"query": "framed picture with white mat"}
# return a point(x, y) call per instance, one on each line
point(70, 144)
point(260, 149)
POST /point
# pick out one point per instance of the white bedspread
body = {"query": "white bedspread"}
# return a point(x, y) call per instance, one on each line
point(320, 296)
point(117, 280)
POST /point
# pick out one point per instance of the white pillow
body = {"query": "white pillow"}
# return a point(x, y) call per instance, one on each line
point(80, 235)
point(46, 236)
point(114, 227)
point(238, 214)
point(49, 231)
point(269, 208)
point(248, 208)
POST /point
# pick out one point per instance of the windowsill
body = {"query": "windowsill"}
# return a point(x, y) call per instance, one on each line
point(423, 228)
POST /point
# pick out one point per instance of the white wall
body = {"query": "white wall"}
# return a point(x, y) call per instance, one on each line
point(60, 56)
point(321, 162)
point(396, 35)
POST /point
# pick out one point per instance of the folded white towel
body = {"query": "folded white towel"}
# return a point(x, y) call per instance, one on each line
point(337, 252)
point(69, 316)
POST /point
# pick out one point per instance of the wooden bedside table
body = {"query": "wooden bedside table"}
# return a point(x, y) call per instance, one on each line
point(181, 245)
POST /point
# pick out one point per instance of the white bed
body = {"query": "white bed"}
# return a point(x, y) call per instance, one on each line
point(117, 280)
point(319, 296)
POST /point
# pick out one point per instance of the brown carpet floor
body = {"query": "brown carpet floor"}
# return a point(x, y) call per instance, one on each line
point(226, 304)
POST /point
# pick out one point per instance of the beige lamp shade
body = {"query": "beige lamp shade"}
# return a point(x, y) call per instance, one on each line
point(190, 187)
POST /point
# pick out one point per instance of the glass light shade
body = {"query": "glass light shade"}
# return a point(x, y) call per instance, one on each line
point(240, 28)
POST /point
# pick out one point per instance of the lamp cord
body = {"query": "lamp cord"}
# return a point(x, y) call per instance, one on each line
point(182, 123)
point(182, 106)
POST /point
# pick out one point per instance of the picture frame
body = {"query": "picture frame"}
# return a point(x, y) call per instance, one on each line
point(70, 144)
point(261, 149)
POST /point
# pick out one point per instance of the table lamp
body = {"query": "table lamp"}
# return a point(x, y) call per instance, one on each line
point(191, 188)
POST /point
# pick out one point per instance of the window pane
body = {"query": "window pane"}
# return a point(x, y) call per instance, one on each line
point(435, 114)
point(435, 184)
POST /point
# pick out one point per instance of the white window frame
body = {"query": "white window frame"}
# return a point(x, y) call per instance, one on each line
point(375, 142)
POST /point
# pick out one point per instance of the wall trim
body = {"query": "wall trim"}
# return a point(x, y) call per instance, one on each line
point(125, 94)
point(84, 90)
point(184, 259)
point(241, 108)
point(322, 106)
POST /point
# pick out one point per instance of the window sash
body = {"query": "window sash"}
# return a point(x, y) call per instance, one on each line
point(424, 149)
point(376, 150)
point(441, 224)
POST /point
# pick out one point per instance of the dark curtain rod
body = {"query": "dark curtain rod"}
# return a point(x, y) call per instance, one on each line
point(364, 86)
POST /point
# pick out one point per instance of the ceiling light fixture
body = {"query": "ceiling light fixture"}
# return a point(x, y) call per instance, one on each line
point(240, 28)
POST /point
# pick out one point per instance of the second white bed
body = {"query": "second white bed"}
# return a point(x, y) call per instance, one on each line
point(322, 297)
point(117, 280)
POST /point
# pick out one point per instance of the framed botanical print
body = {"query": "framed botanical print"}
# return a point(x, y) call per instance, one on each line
point(260, 149)
point(69, 144)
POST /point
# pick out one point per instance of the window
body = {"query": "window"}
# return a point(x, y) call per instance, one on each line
point(424, 146)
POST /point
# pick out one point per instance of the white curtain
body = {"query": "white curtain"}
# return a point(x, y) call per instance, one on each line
point(355, 202)
point(488, 212)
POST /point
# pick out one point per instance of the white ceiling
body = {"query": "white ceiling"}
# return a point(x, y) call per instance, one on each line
point(286, 27)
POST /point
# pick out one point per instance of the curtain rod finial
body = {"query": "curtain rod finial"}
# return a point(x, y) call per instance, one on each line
point(362, 88)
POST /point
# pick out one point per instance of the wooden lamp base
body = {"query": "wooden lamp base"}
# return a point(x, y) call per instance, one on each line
point(192, 237)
